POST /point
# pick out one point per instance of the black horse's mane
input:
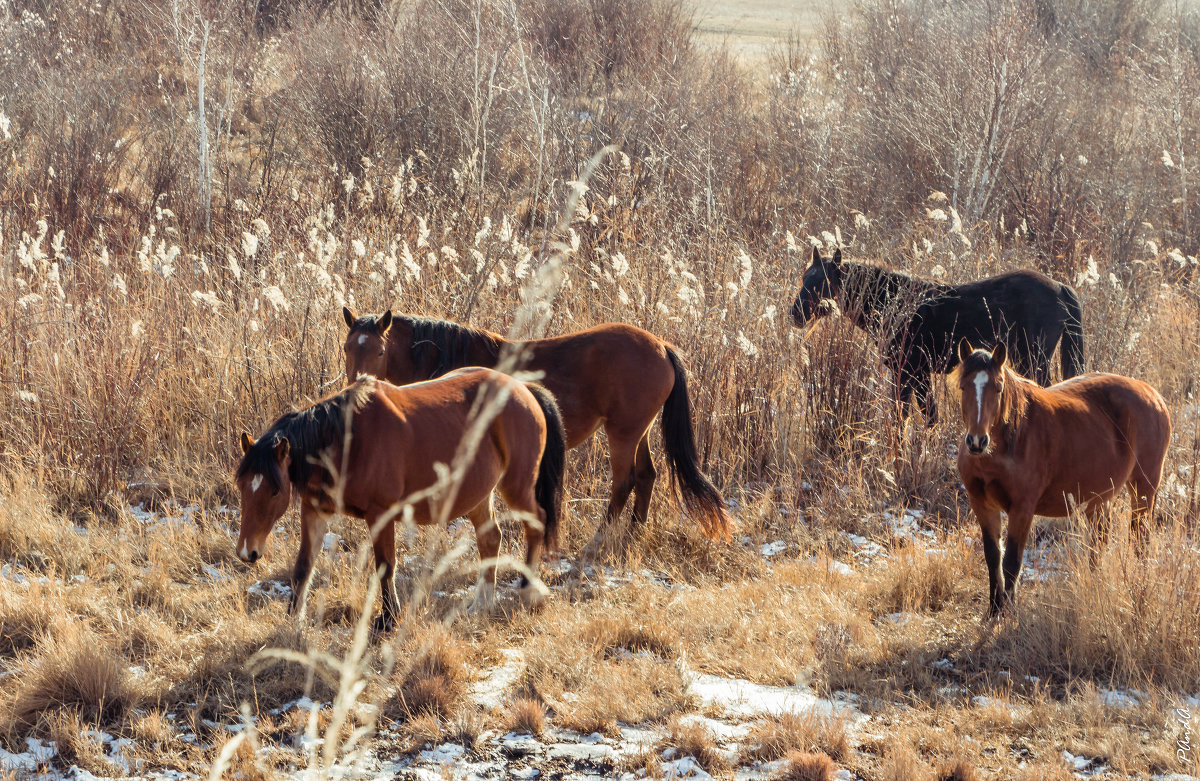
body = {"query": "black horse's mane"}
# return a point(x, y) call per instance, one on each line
point(881, 278)
point(309, 433)
point(451, 341)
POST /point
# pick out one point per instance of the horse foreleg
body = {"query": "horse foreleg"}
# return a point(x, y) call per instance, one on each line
point(1019, 522)
point(487, 539)
point(989, 528)
point(644, 476)
point(383, 543)
point(312, 533)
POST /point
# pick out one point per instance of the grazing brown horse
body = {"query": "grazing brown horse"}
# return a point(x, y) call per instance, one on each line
point(613, 375)
point(1039, 451)
point(383, 442)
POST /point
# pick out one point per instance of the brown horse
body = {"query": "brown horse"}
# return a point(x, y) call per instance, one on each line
point(1039, 451)
point(369, 448)
point(613, 375)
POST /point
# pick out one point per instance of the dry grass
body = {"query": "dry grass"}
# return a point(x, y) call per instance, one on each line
point(802, 766)
point(698, 742)
point(776, 737)
point(76, 672)
point(156, 307)
point(526, 714)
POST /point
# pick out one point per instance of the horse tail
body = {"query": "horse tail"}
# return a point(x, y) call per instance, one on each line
point(549, 486)
point(700, 497)
point(1072, 339)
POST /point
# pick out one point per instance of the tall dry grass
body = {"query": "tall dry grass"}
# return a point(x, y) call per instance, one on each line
point(173, 275)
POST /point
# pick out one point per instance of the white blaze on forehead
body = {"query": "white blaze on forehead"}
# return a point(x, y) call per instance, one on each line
point(255, 483)
point(362, 339)
point(981, 381)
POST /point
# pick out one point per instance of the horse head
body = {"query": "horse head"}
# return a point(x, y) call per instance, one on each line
point(266, 490)
point(820, 288)
point(366, 346)
point(981, 380)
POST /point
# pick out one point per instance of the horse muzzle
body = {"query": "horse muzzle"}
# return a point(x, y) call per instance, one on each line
point(248, 554)
point(801, 313)
point(977, 445)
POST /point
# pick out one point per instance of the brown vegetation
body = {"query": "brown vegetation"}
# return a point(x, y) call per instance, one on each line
point(172, 269)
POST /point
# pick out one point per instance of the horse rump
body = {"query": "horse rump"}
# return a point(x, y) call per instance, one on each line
point(1071, 354)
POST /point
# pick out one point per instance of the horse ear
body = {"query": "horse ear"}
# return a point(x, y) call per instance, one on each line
point(247, 443)
point(349, 316)
point(282, 449)
point(385, 322)
point(837, 256)
point(816, 259)
point(1000, 354)
point(965, 349)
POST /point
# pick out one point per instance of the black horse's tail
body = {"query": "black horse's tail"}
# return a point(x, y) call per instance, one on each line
point(700, 497)
point(549, 486)
point(1072, 339)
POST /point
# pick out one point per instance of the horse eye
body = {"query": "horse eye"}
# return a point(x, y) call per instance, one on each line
point(381, 352)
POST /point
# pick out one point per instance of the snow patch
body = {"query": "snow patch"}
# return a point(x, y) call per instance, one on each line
point(743, 698)
point(490, 690)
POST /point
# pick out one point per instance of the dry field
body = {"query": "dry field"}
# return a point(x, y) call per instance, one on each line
point(192, 191)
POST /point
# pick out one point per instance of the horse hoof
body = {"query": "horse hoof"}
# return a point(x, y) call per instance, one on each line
point(485, 600)
point(382, 625)
point(532, 595)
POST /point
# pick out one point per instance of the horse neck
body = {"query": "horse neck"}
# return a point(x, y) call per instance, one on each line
point(466, 347)
point(872, 294)
point(1014, 408)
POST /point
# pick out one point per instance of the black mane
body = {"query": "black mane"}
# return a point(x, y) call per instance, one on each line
point(878, 289)
point(451, 341)
point(309, 432)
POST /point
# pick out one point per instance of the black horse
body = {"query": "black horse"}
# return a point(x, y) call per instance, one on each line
point(920, 322)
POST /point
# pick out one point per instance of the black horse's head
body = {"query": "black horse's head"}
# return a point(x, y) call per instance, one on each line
point(822, 283)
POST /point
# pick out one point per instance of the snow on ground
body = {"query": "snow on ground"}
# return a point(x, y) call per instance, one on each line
point(489, 692)
point(744, 699)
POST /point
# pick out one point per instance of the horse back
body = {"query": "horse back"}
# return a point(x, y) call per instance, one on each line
point(613, 372)
point(403, 431)
point(1022, 307)
point(1134, 409)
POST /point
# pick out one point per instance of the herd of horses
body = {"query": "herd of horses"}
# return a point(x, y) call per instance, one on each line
point(428, 429)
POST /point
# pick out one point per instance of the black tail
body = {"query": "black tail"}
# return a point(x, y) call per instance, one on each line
point(549, 487)
point(1072, 338)
point(700, 497)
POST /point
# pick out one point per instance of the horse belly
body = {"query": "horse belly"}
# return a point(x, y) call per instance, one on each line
point(478, 481)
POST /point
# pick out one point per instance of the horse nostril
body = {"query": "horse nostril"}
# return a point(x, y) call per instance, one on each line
point(252, 556)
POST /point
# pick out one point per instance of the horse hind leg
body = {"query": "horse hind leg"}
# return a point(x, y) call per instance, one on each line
point(621, 450)
point(1100, 522)
point(1141, 505)
point(644, 476)
point(523, 503)
point(487, 538)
